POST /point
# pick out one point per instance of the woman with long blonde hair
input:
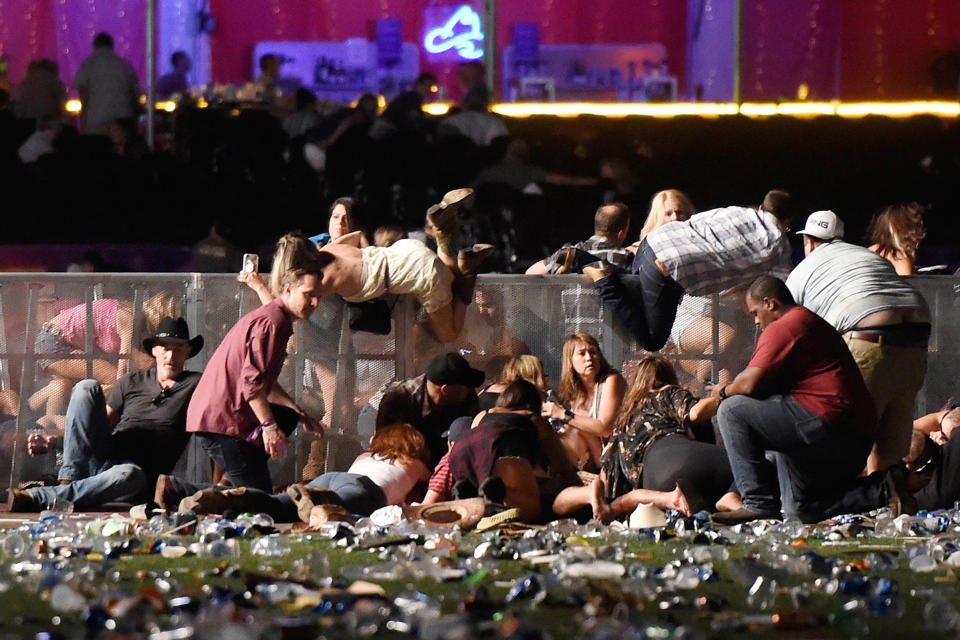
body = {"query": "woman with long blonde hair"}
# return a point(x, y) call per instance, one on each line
point(593, 390)
point(669, 205)
point(661, 452)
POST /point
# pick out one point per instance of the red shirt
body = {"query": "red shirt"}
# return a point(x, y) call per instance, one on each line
point(247, 361)
point(808, 360)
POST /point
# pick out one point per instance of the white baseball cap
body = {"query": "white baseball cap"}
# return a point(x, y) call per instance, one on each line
point(825, 225)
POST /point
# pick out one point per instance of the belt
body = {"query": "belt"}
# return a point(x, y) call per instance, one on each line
point(892, 338)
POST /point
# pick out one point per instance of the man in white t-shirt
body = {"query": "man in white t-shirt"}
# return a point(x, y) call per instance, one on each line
point(884, 320)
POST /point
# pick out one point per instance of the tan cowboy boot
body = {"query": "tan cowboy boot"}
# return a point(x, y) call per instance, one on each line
point(443, 217)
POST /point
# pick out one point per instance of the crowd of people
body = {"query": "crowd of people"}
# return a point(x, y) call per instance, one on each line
point(819, 421)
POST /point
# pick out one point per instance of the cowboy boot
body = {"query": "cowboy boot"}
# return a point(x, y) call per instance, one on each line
point(306, 498)
point(469, 260)
point(216, 500)
point(443, 218)
point(316, 460)
point(445, 227)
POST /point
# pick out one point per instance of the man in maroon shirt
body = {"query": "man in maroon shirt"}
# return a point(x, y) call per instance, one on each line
point(239, 413)
point(802, 397)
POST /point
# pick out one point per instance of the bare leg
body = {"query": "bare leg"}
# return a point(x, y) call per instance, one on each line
point(698, 338)
point(53, 398)
point(665, 500)
point(9, 402)
point(103, 372)
point(601, 508)
point(571, 499)
point(729, 501)
point(583, 449)
point(447, 322)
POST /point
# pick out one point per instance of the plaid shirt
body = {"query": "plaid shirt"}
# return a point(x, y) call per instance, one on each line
point(722, 248)
point(595, 245)
point(442, 479)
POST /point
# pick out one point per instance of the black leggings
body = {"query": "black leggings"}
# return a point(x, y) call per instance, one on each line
point(676, 457)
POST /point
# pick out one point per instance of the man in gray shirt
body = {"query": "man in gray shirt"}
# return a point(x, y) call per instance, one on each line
point(108, 87)
point(884, 321)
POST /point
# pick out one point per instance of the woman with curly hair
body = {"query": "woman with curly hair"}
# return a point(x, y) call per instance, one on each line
point(593, 390)
point(896, 232)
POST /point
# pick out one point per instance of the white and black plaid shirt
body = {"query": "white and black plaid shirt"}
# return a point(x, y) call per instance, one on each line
point(599, 246)
point(722, 248)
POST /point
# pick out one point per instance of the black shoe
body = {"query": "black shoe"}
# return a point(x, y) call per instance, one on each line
point(742, 515)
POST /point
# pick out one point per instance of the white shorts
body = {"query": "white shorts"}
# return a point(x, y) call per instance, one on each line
point(407, 266)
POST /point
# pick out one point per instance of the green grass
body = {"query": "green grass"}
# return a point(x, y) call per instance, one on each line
point(25, 607)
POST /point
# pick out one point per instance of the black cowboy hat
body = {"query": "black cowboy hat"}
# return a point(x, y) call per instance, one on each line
point(174, 330)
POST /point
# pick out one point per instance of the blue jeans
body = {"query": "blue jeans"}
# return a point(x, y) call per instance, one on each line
point(817, 464)
point(124, 482)
point(646, 303)
point(87, 442)
point(360, 495)
point(244, 463)
point(87, 448)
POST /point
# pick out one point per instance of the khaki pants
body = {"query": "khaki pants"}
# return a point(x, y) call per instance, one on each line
point(893, 375)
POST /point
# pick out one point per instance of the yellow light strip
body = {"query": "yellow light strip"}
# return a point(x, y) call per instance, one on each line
point(807, 108)
point(749, 109)
point(614, 109)
point(899, 109)
point(941, 109)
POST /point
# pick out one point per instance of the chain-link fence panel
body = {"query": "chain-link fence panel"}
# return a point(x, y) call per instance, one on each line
point(60, 328)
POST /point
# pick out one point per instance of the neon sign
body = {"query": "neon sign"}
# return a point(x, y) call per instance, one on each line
point(467, 43)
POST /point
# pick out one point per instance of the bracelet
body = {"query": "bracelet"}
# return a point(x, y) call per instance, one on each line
point(723, 392)
point(567, 416)
point(268, 425)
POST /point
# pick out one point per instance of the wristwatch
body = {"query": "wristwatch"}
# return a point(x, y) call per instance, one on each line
point(723, 392)
point(567, 415)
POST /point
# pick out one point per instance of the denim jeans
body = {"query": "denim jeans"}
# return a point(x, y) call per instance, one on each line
point(124, 482)
point(244, 463)
point(817, 464)
point(360, 495)
point(87, 442)
point(646, 303)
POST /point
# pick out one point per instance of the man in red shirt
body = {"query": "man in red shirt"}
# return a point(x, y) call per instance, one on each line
point(239, 413)
point(802, 397)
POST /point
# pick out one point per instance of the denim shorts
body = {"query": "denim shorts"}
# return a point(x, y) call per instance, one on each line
point(51, 342)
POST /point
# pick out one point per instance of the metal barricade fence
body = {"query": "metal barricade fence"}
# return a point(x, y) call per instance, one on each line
point(336, 373)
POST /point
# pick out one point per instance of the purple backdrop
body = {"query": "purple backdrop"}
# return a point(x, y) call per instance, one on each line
point(63, 31)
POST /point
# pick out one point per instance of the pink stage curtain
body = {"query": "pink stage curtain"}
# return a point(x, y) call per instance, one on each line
point(26, 33)
point(78, 21)
point(855, 50)
point(888, 47)
point(63, 30)
point(789, 44)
